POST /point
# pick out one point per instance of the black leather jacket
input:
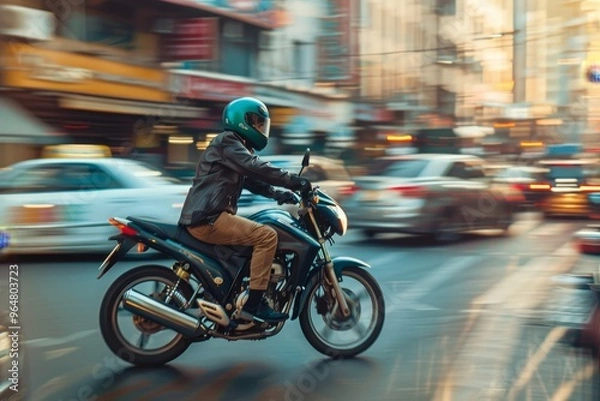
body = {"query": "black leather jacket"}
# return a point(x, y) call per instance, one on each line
point(224, 169)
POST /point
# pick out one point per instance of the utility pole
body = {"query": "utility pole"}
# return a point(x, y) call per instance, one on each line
point(519, 49)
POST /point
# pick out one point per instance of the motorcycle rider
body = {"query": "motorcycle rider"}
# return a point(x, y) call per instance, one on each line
point(226, 167)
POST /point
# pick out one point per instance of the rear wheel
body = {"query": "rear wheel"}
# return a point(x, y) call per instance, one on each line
point(135, 339)
point(338, 336)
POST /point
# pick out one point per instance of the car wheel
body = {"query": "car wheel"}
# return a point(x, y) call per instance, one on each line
point(448, 228)
point(505, 222)
point(370, 234)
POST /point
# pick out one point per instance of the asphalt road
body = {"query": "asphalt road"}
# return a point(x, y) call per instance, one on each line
point(462, 323)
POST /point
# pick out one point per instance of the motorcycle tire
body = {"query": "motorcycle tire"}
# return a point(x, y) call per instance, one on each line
point(321, 344)
point(110, 305)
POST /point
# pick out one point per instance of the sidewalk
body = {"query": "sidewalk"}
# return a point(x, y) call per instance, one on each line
point(569, 304)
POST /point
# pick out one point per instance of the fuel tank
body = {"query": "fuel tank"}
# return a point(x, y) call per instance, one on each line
point(292, 237)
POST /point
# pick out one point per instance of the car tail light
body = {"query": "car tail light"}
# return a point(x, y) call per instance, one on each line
point(520, 187)
point(124, 228)
point(348, 190)
point(590, 188)
point(540, 187)
point(410, 191)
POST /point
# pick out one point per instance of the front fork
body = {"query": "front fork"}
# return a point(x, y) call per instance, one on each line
point(330, 275)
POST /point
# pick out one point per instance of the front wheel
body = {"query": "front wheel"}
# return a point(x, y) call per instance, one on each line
point(335, 335)
point(135, 339)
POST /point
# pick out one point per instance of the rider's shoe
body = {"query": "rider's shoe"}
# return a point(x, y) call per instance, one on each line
point(260, 310)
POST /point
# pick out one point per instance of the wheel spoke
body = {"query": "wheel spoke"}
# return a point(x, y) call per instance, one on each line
point(363, 295)
point(327, 331)
point(360, 329)
point(143, 340)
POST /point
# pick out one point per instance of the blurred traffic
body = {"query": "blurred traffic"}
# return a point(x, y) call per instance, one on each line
point(447, 120)
point(63, 205)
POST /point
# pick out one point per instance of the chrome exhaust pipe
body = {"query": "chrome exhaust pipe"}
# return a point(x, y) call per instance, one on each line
point(158, 312)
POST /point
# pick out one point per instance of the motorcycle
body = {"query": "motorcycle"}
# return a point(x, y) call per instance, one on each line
point(151, 314)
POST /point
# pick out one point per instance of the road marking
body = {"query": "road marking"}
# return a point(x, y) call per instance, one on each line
point(522, 226)
point(551, 229)
point(531, 367)
point(479, 367)
point(53, 341)
point(566, 389)
point(531, 275)
point(407, 298)
point(59, 353)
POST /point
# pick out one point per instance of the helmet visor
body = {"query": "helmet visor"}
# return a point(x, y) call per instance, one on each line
point(259, 123)
point(264, 127)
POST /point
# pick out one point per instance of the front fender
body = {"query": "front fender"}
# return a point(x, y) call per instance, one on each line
point(339, 264)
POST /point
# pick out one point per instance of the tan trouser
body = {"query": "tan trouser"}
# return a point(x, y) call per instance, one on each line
point(229, 229)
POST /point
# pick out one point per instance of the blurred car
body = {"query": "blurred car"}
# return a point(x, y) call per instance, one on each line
point(63, 205)
point(70, 151)
point(442, 195)
point(587, 239)
point(521, 178)
point(330, 175)
point(566, 187)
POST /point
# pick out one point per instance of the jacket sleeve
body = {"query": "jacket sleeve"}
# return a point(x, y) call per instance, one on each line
point(238, 158)
point(259, 187)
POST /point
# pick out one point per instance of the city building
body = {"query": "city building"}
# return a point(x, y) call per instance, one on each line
point(89, 72)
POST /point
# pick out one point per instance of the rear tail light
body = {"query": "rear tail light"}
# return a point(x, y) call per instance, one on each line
point(540, 187)
point(590, 188)
point(410, 191)
point(520, 187)
point(348, 190)
point(124, 228)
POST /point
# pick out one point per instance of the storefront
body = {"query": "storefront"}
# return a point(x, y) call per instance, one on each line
point(298, 119)
point(307, 119)
point(93, 100)
point(374, 125)
point(209, 92)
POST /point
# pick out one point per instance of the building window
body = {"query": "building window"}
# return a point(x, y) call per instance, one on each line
point(107, 24)
point(445, 7)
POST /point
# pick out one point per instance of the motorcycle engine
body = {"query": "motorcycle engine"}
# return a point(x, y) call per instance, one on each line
point(277, 272)
point(241, 299)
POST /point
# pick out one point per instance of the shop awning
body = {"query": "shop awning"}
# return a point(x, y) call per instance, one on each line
point(105, 105)
point(199, 6)
point(17, 125)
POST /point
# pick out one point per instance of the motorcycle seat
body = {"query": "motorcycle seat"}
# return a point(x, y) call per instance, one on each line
point(180, 234)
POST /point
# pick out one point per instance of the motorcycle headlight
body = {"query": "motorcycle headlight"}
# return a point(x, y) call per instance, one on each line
point(343, 220)
point(336, 218)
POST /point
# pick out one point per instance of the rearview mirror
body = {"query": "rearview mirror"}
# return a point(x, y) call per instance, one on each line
point(306, 159)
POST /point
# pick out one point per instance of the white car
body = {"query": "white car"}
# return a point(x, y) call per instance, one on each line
point(63, 205)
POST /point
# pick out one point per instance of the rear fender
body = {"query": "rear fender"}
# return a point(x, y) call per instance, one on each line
point(124, 244)
point(339, 264)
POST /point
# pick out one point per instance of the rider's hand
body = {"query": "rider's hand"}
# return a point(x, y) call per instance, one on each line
point(305, 186)
point(285, 197)
point(300, 184)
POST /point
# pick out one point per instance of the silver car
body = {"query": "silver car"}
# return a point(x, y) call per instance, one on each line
point(441, 195)
point(329, 174)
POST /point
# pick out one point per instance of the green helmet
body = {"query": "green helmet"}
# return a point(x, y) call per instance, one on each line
point(249, 118)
